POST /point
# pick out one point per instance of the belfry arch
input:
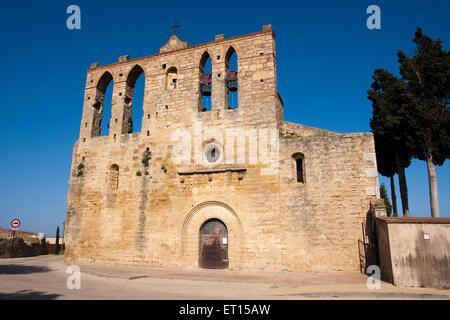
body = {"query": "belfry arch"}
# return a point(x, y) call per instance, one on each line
point(205, 82)
point(99, 103)
point(232, 74)
point(131, 110)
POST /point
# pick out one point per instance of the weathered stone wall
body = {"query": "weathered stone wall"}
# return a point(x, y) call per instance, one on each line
point(322, 217)
point(407, 258)
point(21, 244)
point(155, 215)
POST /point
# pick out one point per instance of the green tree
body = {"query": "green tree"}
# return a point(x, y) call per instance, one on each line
point(386, 167)
point(384, 196)
point(391, 116)
point(427, 77)
point(57, 241)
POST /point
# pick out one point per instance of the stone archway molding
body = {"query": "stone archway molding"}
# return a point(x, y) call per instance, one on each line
point(191, 230)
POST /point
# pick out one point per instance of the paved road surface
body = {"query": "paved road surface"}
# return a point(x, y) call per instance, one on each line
point(44, 277)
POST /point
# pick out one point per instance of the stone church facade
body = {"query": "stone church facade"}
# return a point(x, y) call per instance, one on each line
point(236, 188)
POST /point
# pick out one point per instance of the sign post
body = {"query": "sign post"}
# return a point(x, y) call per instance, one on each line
point(15, 224)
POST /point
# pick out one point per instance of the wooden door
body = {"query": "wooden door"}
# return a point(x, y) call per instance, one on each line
point(213, 245)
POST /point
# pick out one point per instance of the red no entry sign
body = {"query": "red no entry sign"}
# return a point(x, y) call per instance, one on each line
point(15, 223)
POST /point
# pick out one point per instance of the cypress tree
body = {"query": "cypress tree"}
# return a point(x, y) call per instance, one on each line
point(427, 77)
point(57, 241)
point(386, 167)
point(391, 115)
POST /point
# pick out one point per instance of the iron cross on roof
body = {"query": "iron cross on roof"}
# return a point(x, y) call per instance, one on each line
point(175, 27)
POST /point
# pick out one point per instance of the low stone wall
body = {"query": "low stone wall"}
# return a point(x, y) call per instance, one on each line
point(414, 252)
point(21, 244)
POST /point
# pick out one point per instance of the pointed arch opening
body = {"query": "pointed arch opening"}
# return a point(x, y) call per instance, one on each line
point(102, 105)
point(205, 82)
point(231, 70)
point(134, 99)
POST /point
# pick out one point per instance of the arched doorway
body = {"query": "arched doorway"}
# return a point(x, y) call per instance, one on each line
point(213, 245)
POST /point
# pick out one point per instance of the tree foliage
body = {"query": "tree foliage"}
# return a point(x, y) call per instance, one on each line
point(57, 241)
point(384, 196)
point(390, 123)
point(410, 115)
point(427, 77)
point(391, 118)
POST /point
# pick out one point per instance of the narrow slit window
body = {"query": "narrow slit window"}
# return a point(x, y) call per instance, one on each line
point(299, 167)
point(299, 163)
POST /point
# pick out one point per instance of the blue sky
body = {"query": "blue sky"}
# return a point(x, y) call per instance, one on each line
point(325, 58)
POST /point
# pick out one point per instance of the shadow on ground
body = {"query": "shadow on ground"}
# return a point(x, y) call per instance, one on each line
point(28, 295)
point(21, 269)
point(374, 295)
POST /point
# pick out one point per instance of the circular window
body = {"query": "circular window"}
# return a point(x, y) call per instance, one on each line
point(212, 153)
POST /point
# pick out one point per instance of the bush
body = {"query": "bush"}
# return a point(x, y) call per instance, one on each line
point(80, 168)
